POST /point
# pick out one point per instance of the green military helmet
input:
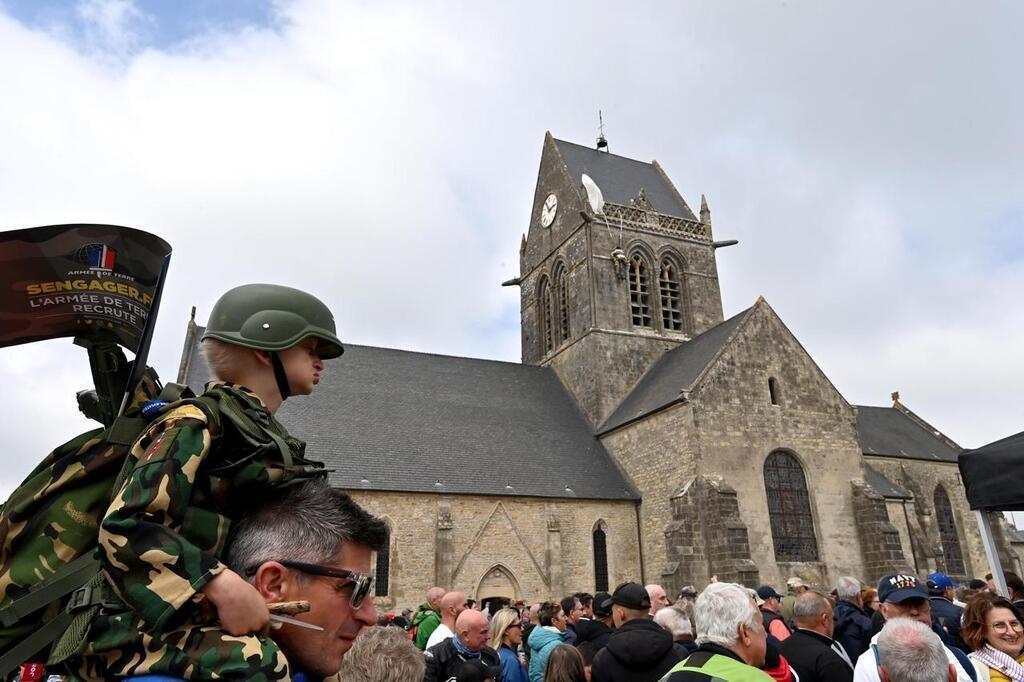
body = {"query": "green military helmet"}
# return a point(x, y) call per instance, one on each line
point(274, 318)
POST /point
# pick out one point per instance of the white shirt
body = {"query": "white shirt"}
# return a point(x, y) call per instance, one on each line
point(440, 633)
point(867, 668)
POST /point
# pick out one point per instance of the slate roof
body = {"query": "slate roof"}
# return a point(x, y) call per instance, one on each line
point(620, 179)
point(397, 420)
point(884, 486)
point(674, 372)
point(888, 432)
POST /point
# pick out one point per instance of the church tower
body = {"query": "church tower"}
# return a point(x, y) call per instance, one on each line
point(608, 287)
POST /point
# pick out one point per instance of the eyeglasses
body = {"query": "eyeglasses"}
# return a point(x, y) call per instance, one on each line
point(363, 582)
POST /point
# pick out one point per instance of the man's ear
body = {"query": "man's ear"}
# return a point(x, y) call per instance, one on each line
point(742, 634)
point(952, 673)
point(884, 676)
point(273, 581)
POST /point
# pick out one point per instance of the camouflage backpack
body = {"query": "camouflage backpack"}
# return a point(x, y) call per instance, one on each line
point(50, 524)
point(51, 582)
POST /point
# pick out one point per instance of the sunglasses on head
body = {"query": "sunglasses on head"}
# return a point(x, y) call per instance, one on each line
point(363, 582)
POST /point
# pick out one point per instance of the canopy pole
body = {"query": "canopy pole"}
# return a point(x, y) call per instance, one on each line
point(985, 526)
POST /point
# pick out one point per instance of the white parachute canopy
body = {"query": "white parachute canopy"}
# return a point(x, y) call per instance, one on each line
point(593, 195)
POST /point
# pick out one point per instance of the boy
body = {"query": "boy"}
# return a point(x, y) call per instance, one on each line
point(184, 613)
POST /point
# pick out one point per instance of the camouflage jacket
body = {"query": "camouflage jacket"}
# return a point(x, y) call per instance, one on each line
point(165, 532)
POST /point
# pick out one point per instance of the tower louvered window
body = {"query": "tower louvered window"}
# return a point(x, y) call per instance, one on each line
point(789, 508)
point(562, 290)
point(952, 556)
point(639, 292)
point(600, 560)
point(671, 307)
point(383, 568)
point(546, 316)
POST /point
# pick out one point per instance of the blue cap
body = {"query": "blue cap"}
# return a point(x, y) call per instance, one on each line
point(899, 587)
point(940, 581)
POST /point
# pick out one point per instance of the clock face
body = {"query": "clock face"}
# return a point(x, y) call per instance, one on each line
point(548, 210)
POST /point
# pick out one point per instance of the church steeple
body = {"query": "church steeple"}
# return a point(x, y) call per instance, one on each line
point(604, 294)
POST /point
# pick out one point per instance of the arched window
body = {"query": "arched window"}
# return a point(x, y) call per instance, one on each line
point(546, 315)
point(952, 556)
point(789, 508)
point(639, 292)
point(562, 295)
point(600, 558)
point(671, 306)
point(773, 390)
point(383, 568)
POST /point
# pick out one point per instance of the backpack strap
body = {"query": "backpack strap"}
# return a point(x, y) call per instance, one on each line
point(65, 580)
point(246, 425)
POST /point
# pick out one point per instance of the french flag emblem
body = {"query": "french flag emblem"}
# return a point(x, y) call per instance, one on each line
point(102, 257)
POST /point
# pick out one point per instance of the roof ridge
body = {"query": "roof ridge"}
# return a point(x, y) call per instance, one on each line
point(620, 156)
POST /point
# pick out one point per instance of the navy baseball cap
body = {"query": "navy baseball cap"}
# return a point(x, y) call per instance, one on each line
point(766, 592)
point(899, 587)
point(940, 582)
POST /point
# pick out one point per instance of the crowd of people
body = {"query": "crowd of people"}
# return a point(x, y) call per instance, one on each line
point(219, 522)
point(907, 629)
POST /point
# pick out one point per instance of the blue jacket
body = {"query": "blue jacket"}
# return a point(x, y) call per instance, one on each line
point(852, 629)
point(511, 669)
point(542, 641)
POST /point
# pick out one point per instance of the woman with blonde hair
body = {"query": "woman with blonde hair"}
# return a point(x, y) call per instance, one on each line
point(506, 636)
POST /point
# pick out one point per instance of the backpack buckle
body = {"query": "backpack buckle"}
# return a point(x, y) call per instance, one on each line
point(80, 599)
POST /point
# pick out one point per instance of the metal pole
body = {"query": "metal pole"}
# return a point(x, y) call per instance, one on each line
point(990, 551)
point(139, 364)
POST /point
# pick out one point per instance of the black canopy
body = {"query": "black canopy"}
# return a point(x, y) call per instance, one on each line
point(994, 475)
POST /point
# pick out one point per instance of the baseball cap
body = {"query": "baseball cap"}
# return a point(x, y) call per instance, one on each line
point(939, 581)
point(630, 595)
point(767, 592)
point(796, 582)
point(602, 604)
point(899, 587)
point(475, 670)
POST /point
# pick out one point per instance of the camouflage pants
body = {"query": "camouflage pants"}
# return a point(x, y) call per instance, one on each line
point(192, 652)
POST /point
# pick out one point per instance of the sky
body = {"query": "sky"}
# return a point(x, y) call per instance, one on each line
point(868, 157)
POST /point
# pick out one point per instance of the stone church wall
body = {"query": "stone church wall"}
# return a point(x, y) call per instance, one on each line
point(920, 478)
point(739, 428)
point(535, 548)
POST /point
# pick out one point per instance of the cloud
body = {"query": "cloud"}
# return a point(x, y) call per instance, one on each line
point(384, 157)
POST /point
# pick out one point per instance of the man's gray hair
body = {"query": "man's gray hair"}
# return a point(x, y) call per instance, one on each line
point(382, 654)
point(720, 609)
point(909, 651)
point(847, 587)
point(308, 522)
point(675, 620)
point(810, 606)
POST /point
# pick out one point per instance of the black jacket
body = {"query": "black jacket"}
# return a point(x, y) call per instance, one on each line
point(593, 631)
point(948, 616)
point(810, 655)
point(443, 661)
point(852, 629)
point(639, 651)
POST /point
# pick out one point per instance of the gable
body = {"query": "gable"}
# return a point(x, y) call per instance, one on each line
point(385, 419)
point(763, 348)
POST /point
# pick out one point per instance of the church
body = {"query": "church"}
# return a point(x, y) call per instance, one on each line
point(643, 437)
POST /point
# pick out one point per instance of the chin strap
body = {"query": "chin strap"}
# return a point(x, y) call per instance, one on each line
point(282, 378)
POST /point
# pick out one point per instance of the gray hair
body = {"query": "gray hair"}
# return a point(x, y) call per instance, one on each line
point(810, 606)
point(675, 620)
point(382, 654)
point(910, 652)
point(847, 587)
point(308, 522)
point(720, 609)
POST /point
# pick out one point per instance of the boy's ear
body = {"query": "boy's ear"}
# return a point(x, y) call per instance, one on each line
point(263, 357)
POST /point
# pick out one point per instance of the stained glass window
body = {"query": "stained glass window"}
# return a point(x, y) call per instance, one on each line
point(952, 556)
point(789, 508)
point(600, 560)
